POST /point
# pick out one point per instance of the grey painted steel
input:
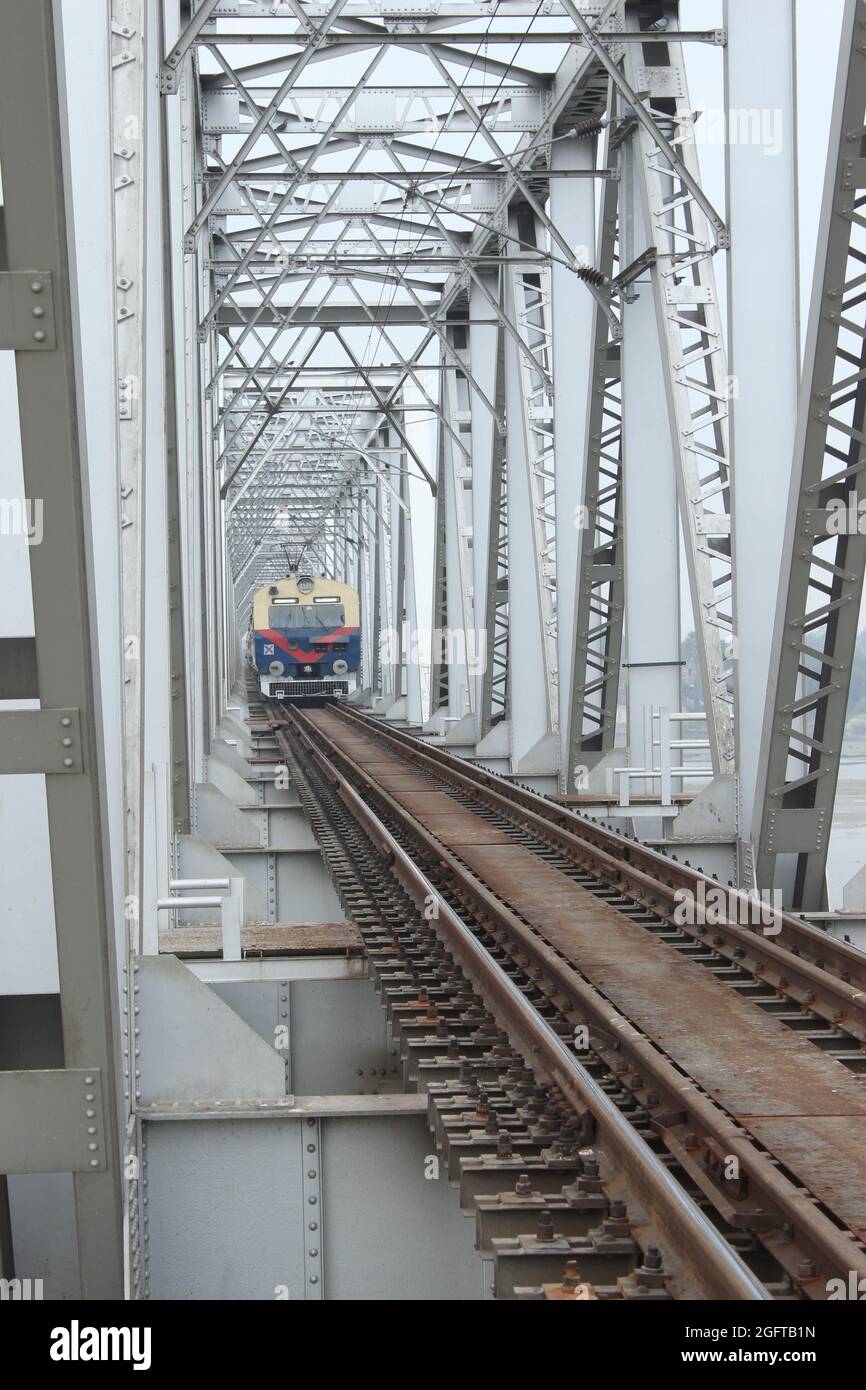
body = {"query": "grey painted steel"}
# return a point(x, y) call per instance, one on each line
point(173, 59)
point(52, 1122)
point(532, 519)
point(42, 1209)
point(36, 231)
point(682, 228)
point(315, 1216)
point(764, 354)
point(194, 1046)
point(456, 504)
point(26, 311)
point(181, 780)
point(391, 1233)
point(45, 740)
point(383, 1230)
point(270, 330)
point(649, 501)
point(817, 616)
point(210, 1234)
point(531, 531)
point(7, 1254)
point(484, 354)
point(339, 1044)
point(439, 671)
point(600, 607)
point(573, 312)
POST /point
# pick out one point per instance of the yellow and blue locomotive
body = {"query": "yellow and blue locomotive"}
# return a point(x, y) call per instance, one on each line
point(304, 638)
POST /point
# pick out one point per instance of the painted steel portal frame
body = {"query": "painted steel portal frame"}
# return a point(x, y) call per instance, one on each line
point(328, 292)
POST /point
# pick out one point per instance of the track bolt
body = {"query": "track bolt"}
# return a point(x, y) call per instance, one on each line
point(570, 1278)
point(544, 1230)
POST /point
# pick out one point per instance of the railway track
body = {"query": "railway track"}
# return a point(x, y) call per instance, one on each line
point(634, 1103)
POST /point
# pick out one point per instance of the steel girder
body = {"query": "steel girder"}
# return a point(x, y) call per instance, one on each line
point(531, 478)
point(355, 213)
point(824, 554)
point(38, 241)
point(600, 606)
point(289, 246)
point(684, 232)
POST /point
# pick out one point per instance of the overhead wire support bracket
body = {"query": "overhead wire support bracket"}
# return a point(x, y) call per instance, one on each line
point(632, 97)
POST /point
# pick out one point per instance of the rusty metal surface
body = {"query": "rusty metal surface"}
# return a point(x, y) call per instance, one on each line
point(436, 803)
point(745, 1059)
point(403, 781)
point(807, 1109)
point(314, 938)
point(832, 1149)
point(839, 958)
point(459, 827)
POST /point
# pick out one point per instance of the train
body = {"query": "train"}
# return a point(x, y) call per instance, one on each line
point(304, 638)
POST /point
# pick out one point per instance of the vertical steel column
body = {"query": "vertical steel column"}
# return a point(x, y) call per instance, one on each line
point(484, 334)
point(824, 552)
point(129, 60)
point(196, 453)
point(412, 653)
point(176, 390)
point(763, 347)
point(394, 469)
point(572, 210)
point(439, 674)
point(61, 569)
point(600, 605)
point(531, 519)
point(695, 371)
point(363, 587)
point(384, 576)
point(650, 518)
point(457, 501)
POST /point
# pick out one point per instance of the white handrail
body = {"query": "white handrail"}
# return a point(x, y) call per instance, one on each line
point(231, 904)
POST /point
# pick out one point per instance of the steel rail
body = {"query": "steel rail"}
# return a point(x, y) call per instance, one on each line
point(689, 1110)
point(689, 1230)
point(658, 883)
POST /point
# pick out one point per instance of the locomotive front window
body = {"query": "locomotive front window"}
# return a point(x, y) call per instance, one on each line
point(307, 615)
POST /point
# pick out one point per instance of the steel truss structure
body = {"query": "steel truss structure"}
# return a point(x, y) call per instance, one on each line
point(818, 614)
point(379, 254)
point(424, 296)
point(387, 222)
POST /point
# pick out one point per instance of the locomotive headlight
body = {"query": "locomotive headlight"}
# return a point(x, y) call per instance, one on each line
point(340, 667)
point(276, 668)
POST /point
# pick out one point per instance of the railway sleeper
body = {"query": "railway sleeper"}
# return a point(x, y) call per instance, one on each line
point(528, 1133)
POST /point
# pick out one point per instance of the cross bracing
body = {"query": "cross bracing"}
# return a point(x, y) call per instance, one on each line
point(398, 215)
point(444, 299)
point(370, 189)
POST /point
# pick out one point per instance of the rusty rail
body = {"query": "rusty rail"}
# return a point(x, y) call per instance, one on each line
point(656, 881)
point(690, 1232)
point(687, 1117)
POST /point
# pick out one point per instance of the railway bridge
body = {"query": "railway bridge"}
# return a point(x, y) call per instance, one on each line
point(534, 966)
